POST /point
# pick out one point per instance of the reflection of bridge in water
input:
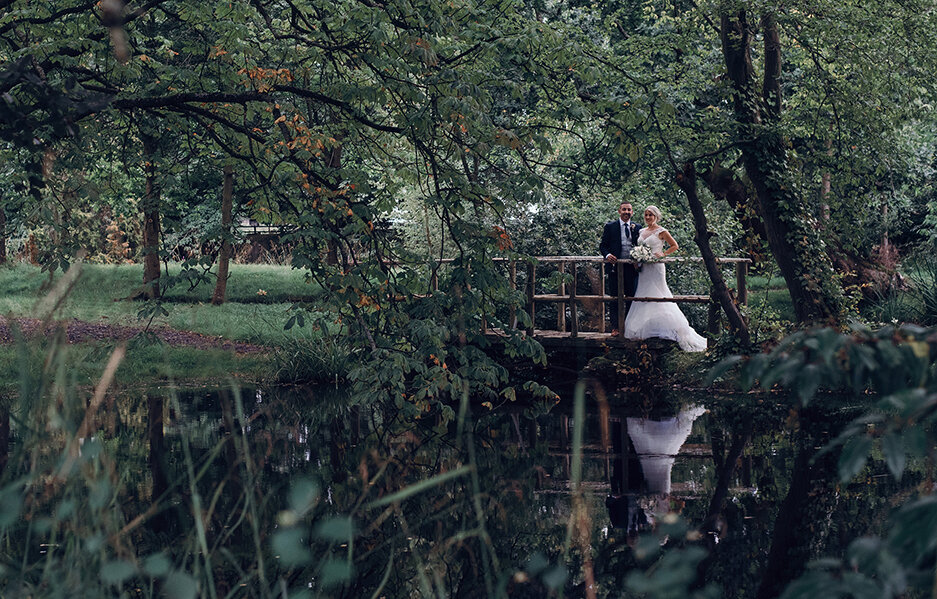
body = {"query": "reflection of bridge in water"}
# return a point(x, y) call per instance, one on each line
point(642, 466)
point(634, 454)
point(568, 273)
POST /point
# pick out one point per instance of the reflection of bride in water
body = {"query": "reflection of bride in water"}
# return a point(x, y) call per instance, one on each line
point(656, 444)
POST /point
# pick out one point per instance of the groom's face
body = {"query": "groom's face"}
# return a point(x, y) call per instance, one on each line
point(625, 211)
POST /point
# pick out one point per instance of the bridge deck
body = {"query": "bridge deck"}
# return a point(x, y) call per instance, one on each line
point(584, 339)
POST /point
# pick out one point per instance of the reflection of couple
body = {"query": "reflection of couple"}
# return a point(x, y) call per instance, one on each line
point(644, 319)
point(633, 506)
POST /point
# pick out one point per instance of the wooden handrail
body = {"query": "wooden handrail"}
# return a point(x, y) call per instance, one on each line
point(558, 259)
point(727, 260)
point(567, 295)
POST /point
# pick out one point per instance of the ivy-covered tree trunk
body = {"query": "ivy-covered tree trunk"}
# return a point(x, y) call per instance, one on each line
point(791, 231)
point(4, 438)
point(724, 183)
point(151, 268)
point(3, 236)
point(224, 256)
point(334, 162)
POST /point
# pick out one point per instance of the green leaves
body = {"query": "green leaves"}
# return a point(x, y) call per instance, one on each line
point(295, 319)
point(335, 572)
point(339, 529)
point(853, 457)
point(295, 547)
point(895, 456)
point(291, 546)
point(672, 577)
point(116, 572)
point(553, 576)
point(826, 359)
point(11, 503)
point(181, 585)
point(303, 496)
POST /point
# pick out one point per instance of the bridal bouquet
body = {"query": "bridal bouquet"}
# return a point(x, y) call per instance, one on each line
point(642, 253)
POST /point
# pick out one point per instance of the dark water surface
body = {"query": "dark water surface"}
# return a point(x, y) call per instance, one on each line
point(490, 502)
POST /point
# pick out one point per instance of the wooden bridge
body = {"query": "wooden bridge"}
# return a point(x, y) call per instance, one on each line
point(568, 332)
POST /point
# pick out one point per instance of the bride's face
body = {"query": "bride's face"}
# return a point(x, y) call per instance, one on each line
point(649, 218)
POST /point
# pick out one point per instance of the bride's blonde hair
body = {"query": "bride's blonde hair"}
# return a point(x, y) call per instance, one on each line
point(655, 211)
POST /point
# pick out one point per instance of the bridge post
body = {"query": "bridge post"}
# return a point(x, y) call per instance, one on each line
point(561, 309)
point(602, 307)
point(621, 300)
point(531, 274)
point(713, 321)
point(573, 309)
point(741, 269)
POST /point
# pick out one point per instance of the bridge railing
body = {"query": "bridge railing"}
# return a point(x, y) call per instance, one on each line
point(568, 298)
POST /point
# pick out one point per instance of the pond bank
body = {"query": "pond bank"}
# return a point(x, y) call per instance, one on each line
point(152, 363)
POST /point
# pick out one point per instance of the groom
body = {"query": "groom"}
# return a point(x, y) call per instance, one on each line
point(618, 237)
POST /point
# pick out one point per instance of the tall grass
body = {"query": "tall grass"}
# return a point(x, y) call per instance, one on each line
point(918, 302)
point(314, 359)
point(923, 276)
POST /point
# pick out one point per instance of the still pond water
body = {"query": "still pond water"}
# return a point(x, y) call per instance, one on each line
point(360, 501)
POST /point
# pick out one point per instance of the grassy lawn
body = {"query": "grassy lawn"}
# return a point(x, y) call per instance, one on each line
point(99, 296)
point(100, 292)
point(769, 290)
point(754, 282)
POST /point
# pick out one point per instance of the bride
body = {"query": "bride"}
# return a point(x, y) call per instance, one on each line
point(658, 319)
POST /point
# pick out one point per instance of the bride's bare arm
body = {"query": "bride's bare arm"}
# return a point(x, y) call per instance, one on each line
point(666, 236)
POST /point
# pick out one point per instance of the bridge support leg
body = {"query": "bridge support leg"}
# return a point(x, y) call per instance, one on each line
point(573, 309)
point(741, 270)
point(560, 308)
point(531, 274)
point(512, 314)
point(713, 322)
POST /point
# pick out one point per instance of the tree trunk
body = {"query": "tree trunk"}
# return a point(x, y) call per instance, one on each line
point(788, 554)
point(151, 268)
point(791, 233)
point(687, 182)
point(334, 161)
point(156, 460)
point(4, 438)
point(725, 467)
point(224, 257)
point(826, 186)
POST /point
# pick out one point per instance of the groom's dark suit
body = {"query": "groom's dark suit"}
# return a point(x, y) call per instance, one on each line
point(611, 244)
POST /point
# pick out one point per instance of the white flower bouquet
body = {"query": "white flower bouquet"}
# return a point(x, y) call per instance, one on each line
point(642, 253)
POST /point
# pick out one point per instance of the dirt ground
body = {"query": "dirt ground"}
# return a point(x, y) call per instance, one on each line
point(77, 331)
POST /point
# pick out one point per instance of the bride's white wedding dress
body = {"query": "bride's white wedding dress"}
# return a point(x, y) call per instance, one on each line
point(659, 319)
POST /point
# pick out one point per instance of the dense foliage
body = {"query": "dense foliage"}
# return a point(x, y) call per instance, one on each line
point(410, 152)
